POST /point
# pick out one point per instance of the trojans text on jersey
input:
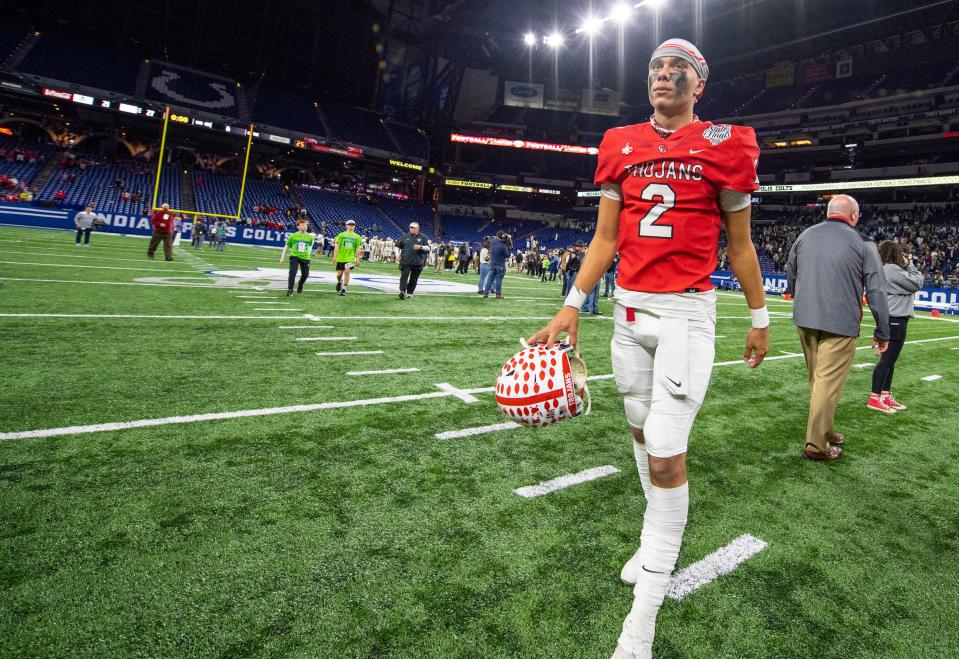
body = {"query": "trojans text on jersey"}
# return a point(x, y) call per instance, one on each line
point(667, 170)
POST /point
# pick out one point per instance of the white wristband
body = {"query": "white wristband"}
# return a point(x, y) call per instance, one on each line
point(575, 298)
point(760, 317)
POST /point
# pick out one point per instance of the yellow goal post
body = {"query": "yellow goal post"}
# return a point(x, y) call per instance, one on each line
point(156, 182)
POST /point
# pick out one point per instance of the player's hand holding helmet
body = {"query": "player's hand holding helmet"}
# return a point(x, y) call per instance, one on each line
point(541, 385)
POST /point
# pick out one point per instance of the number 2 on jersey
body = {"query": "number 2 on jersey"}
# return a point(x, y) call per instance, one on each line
point(647, 226)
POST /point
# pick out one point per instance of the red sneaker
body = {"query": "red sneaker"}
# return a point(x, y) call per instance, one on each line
point(880, 406)
point(893, 403)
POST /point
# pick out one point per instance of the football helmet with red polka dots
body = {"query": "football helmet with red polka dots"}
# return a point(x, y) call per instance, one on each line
point(539, 386)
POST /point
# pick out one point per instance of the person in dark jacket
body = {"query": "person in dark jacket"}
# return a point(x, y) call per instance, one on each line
point(499, 252)
point(414, 248)
point(829, 266)
point(903, 279)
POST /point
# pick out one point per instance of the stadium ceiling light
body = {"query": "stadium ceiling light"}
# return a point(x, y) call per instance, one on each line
point(621, 12)
point(655, 4)
point(529, 39)
point(591, 25)
point(554, 40)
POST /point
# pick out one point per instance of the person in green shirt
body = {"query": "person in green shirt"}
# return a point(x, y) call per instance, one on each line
point(300, 246)
point(346, 253)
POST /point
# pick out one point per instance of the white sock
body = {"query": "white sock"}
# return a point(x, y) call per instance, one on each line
point(663, 526)
point(642, 465)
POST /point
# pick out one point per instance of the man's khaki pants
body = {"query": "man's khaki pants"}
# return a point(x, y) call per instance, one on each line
point(828, 360)
point(155, 239)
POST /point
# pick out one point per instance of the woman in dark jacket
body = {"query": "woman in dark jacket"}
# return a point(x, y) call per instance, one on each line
point(903, 279)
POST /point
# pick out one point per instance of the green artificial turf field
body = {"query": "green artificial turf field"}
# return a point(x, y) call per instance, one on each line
point(353, 531)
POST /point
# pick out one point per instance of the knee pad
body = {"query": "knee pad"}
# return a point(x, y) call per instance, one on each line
point(667, 434)
point(637, 410)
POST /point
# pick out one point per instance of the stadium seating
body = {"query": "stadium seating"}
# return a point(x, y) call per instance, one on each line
point(97, 185)
point(464, 228)
point(24, 171)
point(404, 212)
point(332, 209)
point(72, 60)
point(218, 193)
point(357, 126)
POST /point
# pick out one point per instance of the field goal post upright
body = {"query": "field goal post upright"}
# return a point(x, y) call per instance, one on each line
point(159, 169)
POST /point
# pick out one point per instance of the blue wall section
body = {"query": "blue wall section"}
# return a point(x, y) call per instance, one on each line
point(131, 225)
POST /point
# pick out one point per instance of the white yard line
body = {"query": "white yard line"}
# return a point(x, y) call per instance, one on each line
point(385, 371)
point(305, 327)
point(562, 482)
point(348, 352)
point(866, 365)
point(720, 562)
point(481, 430)
point(261, 302)
point(459, 393)
point(326, 338)
point(76, 430)
point(931, 378)
point(430, 318)
point(153, 317)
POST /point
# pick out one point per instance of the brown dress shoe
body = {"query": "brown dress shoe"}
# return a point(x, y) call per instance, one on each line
point(837, 438)
point(834, 453)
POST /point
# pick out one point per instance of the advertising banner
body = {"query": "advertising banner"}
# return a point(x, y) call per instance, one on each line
point(523, 94)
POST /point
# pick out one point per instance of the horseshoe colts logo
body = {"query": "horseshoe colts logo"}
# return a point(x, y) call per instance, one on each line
point(161, 83)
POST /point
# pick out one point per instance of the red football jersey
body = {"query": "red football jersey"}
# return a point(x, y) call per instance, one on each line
point(670, 222)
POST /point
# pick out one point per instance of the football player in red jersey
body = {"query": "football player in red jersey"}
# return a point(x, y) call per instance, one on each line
point(667, 186)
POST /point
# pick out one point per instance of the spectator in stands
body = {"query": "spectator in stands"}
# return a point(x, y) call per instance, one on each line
point(903, 279)
point(413, 248)
point(84, 221)
point(162, 222)
point(829, 266)
point(484, 265)
point(499, 252)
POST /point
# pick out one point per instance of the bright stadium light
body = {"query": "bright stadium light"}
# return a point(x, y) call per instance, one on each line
point(621, 12)
point(655, 4)
point(591, 25)
point(554, 40)
point(529, 39)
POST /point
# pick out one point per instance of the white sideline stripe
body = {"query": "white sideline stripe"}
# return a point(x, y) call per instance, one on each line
point(122, 315)
point(99, 267)
point(384, 371)
point(77, 430)
point(326, 338)
point(468, 432)
point(443, 318)
point(137, 283)
point(262, 301)
point(305, 327)
point(562, 482)
point(348, 352)
point(275, 309)
point(866, 365)
point(792, 354)
point(931, 378)
point(459, 393)
point(720, 562)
